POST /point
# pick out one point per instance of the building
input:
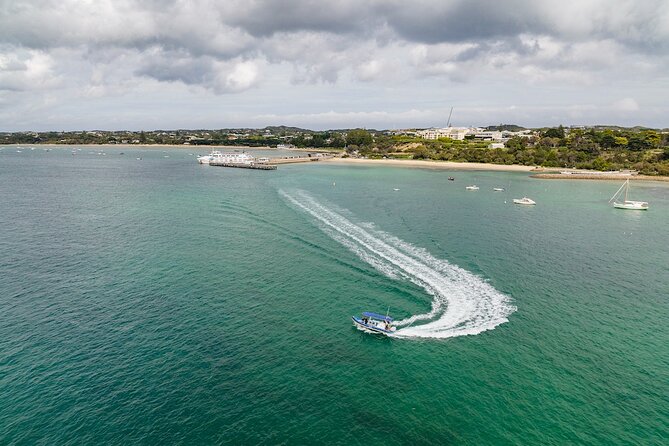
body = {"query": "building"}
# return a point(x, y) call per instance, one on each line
point(458, 133)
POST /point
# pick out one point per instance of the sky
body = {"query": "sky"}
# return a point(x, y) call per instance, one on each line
point(384, 64)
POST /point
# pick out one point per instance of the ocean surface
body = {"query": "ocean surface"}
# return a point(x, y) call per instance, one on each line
point(146, 299)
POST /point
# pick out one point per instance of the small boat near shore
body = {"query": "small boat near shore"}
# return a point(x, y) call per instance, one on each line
point(451, 179)
point(498, 189)
point(374, 323)
point(627, 204)
point(472, 187)
point(526, 201)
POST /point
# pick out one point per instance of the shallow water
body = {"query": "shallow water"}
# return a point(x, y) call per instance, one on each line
point(159, 301)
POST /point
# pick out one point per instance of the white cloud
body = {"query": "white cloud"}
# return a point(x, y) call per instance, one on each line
point(626, 105)
point(242, 76)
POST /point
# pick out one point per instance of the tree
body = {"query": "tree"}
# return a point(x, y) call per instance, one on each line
point(555, 132)
point(621, 142)
point(638, 143)
point(359, 137)
point(608, 141)
point(337, 140)
point(652, 138)
point(665, 154)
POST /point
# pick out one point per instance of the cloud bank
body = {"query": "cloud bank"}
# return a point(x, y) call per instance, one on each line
point(361, 63)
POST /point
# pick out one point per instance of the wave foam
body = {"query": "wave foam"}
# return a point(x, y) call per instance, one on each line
point(462, 303)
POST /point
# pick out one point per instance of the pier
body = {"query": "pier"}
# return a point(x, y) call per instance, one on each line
point(244, 166)
point(296, 159)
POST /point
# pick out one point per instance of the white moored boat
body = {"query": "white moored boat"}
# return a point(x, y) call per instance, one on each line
point(472, 187)
point(498, 189)
point(374, 323)
point(226, 158)
point(524, 200)
point(627, 204)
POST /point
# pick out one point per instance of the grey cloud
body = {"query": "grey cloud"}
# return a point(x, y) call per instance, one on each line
point(458, 21)
point(171, 67)
point(232, 46)
point(267, 17)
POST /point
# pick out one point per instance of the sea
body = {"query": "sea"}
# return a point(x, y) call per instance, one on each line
point(147, 299)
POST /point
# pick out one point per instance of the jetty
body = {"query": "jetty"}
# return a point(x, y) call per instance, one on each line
point(297, 159)
point(244, 166)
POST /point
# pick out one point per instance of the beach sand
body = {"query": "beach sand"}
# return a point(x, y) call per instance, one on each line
point(430, 164)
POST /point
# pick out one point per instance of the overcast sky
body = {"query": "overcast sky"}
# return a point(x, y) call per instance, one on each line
point(166, 64)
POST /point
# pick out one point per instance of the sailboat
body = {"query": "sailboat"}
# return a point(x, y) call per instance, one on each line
point(627, 204)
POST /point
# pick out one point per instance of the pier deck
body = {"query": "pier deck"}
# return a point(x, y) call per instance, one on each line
point(244, 166)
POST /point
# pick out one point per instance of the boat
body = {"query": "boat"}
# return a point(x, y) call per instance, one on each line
point(206, 159)
point(627, 204)
point(525, 201)
point(395, 189)
point(472, 187)
point(451, 179)
point(374, 323)
point(498, 189)
point(226, 158)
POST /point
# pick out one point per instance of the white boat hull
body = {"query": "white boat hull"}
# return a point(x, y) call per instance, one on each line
point(632, 205)
point(625, 203)
point(368, 328)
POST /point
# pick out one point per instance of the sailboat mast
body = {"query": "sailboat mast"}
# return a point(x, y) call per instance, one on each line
point(627, 186)
point(619, 190)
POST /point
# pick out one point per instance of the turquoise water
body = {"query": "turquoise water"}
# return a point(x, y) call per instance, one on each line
point(157, 301)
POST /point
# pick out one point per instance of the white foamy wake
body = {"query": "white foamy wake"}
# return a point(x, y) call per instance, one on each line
point(462, 304)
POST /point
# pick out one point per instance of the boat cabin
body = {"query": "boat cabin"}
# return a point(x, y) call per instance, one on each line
point(374, 323)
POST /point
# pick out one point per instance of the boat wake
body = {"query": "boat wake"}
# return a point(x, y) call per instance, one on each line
point(462, 303)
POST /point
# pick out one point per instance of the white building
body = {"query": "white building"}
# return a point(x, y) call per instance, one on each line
point(458, 133)
point(488, 135)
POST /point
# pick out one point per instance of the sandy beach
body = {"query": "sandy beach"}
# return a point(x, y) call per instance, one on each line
point(599, 177)
point(430, 164)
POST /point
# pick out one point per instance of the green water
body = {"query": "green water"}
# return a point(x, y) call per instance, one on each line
point(157, 301)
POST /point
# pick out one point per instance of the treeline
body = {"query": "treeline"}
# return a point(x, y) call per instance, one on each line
point(644, 150)
point(258, 138)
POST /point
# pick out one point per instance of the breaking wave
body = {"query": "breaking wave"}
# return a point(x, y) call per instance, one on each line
point(462, 303)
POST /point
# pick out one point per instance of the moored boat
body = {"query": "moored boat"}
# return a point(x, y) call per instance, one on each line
point(374, 323)
point(524, 200)
point(627, 204)
point(498, 189)
point(226, 158)
point(472, 187)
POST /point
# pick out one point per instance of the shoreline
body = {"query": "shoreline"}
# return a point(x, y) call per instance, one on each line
point(176, 146)
point(141, 146)
point(432, 164)
point(595, 177)
point(539, 173)
point(451, 165)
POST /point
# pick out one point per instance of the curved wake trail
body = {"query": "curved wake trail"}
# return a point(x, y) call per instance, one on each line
point(462, 304)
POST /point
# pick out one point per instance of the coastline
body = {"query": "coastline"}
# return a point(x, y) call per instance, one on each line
point(450, 165)
point(539, 173)
point(600, 177)
point(142, 146)
point(431, 164)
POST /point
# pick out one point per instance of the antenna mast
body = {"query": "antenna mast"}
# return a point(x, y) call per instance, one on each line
point(448, 124)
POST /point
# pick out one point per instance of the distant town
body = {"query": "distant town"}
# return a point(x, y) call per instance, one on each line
point(601, 148)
